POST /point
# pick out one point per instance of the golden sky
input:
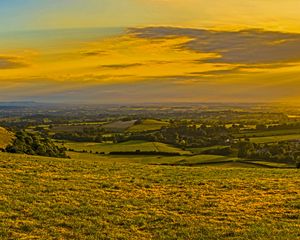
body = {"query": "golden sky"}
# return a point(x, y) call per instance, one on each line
point(150, 50)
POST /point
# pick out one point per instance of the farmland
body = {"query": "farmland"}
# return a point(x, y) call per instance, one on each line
point(135, 175)
point(96, 197)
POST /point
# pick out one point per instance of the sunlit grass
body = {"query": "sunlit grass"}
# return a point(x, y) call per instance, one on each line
point(129, 146)
point(96, 197)
point(5, 137)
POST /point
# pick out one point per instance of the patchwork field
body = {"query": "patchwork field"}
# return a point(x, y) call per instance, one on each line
point(96, 197)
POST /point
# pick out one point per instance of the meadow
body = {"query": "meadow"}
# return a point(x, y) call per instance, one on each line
point(276, 138)
point(99, 197)
point(119, 126)
point(148, 125)
point(129, 146)
point(268, 133)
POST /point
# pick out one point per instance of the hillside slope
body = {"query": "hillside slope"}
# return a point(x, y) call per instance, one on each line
point(5, 137)
point(96, 197)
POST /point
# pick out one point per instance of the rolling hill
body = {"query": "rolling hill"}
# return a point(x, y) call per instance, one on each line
point(97, 197)
point(5, 137)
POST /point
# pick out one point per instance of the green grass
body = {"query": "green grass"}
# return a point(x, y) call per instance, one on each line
point(119, 126)
point(271, 139)
point(148, 125)
point(203, 149)
point(164, 160)
point(6, 138)
point(79, 127)
point(123, 147)
point(193, 160)
point(273, 164)
point(96, 197)
point(269, 133)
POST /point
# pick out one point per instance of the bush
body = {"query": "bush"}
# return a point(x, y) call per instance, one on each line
point(33, 144)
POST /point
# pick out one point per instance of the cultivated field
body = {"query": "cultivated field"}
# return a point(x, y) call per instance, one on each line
point(100, 197)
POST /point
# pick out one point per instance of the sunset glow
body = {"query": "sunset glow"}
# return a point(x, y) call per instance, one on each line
point(148, 51)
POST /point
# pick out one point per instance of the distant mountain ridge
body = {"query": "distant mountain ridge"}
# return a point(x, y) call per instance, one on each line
point(18, 104)
point(27, 104)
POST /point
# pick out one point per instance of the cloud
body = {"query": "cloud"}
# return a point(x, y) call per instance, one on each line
point(253, 46)
point(92, 53)
point(161, 63)
point(120, 66)
point(11, 62)
point(235, 70)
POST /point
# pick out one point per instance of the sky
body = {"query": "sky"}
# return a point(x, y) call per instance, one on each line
point(136, 51)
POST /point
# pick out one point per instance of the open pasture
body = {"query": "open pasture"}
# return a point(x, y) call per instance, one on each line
point(119, 126)
point(272, 139)
point(148, 125)
point(268, 133)
point(96, 197)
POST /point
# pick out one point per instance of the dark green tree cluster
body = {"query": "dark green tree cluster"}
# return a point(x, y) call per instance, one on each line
point(33, 144)
point(183, 135)
point(285, 151)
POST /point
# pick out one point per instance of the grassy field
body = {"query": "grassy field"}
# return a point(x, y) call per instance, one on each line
point(119, 126)
point(273, 164)
point(71, 128)
point(148, 125)
point(196, 160)
point(5, 138)
point(129, 146)
point(271, 139)
point(269, 133)
point(96, 197)
point(203, 149)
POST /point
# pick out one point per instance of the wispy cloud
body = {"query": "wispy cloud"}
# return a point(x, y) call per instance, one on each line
point(120, 66)
point(11, 62)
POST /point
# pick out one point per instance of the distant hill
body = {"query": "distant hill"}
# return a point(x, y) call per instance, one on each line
point(19, 104)
point(5, 137)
